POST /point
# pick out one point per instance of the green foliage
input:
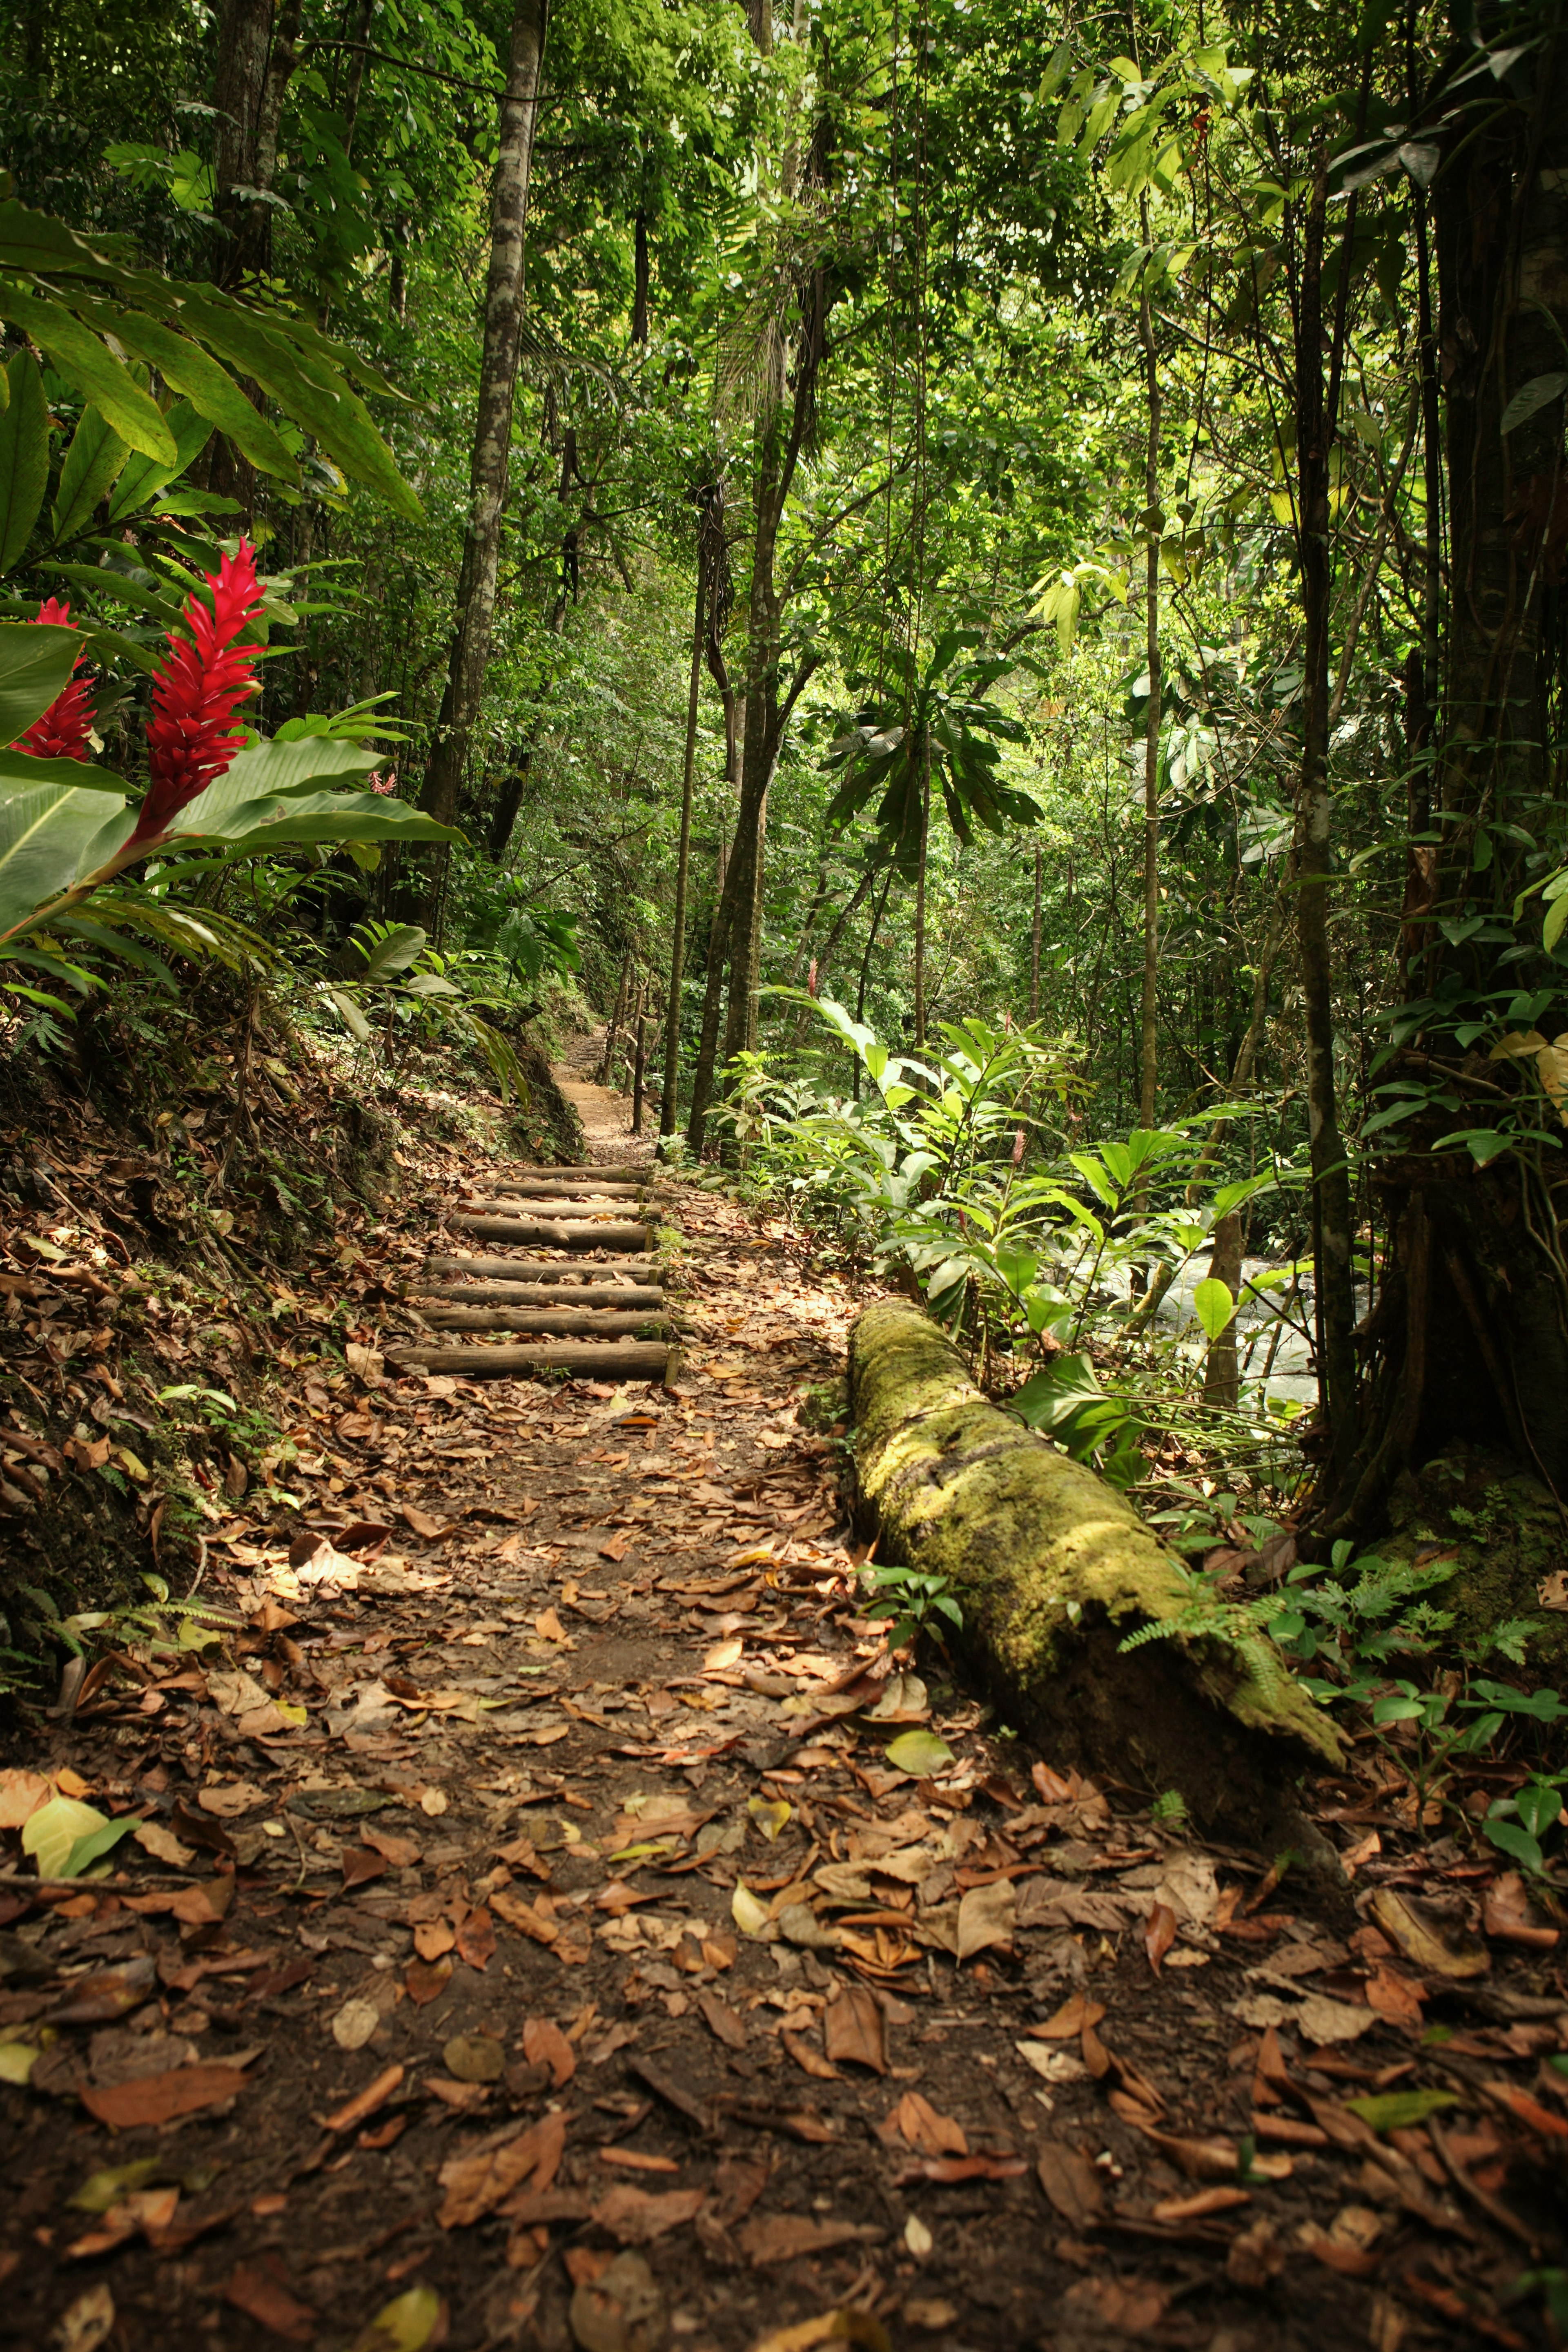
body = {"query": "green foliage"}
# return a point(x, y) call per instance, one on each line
point(916, 1602)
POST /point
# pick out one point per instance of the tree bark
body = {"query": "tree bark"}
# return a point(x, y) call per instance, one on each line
point(239, 80)
point(1034, 942)
point(668, 1108)
point(1148, 1015)
point(504, 298)
point(1221, 1377)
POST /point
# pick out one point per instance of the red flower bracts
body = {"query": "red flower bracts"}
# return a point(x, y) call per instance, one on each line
point(192, 737)
point(61, 731)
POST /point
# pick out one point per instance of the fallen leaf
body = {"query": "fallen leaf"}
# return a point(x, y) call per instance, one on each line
point(637, 2216)
point(56, 1829)
point(231, 1798)
point(86, 2322)
point(101, 2189)
point(1397, 2110)
point(788, 2237)
point(408, 2324)
point(545, 2044)
point(750, 1916)
point(724, 2022)
point(426, 1981)
point(622, 2310)
point(364, 2103)
point(162, 1845)
point(1431, 1947)
point(1071, 2018)
point(986, 1918)
point(474, 2058)
point(261, 2292)
point(1206, 2201)
point(769, 1814)
point(18, 2060)
point(362, 1863)
point(159, 2098)
point(477, 1939)
point(854, 2028)
point(1159, 1934)
point(354, 2024)
point(846, 2327)
point(1131, 2307)
point(923, 2129)
point(476, 2182)
point(432, 1530)
point(948, 2168)
point(1051, 2065)
point(809, 2060)
point(1506, 1913)
point(1074, 2185)
point(1255, 2258)
point(433, 1801)
point(548, 1627)
point(21, 1795)
point(920, 1753)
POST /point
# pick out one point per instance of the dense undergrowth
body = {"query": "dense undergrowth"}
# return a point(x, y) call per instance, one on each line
point(200, 1207)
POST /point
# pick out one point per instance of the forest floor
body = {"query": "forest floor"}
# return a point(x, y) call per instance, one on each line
point(529, 1928)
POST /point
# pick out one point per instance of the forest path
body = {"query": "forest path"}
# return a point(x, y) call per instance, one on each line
point(560, 1912)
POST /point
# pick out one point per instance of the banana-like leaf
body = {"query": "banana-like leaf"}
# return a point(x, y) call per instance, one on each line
point(98, 579)
point(20, 772)
point(394, 951)
point(24, 457)
point(35, 665)
point(144, 478)
point(93, 464)
point(285, 769)
point(86, 363)
point(260, 826)
point(354, 1021)
point(44, 836)
point(208, 387)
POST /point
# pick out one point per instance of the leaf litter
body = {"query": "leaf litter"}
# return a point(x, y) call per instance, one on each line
point(541, 1908)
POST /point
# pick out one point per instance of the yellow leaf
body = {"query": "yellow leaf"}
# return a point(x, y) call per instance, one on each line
point(749, 1915)
point(770, 1814)
point(55, 1828)
point(406, 2324)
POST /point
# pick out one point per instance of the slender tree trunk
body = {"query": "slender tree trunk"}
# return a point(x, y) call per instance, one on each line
point(1333, 1269)
point(239, 81)
point(1148, 1029)
point(920, 907)
point(667, 1106)
point(877, 913)
point(639, 1065)
point(475, 600)
point(1222, 1376)
point(1034, 942)
point(640, 286)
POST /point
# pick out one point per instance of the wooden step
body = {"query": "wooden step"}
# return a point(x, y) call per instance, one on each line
point(484, 1204)
point(548, 1269)
point(576, 1171)
point(615, 1299)
point(539, 1189)
point(626, 1359)
point(587, 1323)
point(583, 1233)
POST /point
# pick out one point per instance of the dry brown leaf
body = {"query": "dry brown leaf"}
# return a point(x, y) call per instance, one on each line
point(426, 1981)
point(262, 2292)
point(1196, 2207)
point(789, 2237)
point(724, 2022)
point(637, 2216)
point(1431, 1945)
point(21, 1794)
point(923, 2129)
point(1506, 1913)
point(159, 2098)
point(477, 1939)
point(476, 2182)
point(1159, 1934)
point(986, 1918)
point(854, 2028)
point(809, 2060)
point(432, 1938)
point(364, 2103)
point(1071, 2019)
point(1073, 2184)
point(544, 2044)
point(1129, 2306)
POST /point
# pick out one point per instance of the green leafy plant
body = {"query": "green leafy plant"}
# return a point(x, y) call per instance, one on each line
point(919, 1598)
point(413, 985)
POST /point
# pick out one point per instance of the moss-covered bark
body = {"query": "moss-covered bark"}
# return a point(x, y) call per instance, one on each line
point(1053, 1569)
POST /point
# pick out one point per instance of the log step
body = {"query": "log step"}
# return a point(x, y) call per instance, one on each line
point(577, 1234)
point(620, 1188)
point(619, 1297)
point(609, 1172)
point(602, 1323)
point(487, 1206)
point(548, 1269)
point(629, 1360)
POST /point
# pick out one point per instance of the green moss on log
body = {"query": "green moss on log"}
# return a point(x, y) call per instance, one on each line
point(1053, 1569)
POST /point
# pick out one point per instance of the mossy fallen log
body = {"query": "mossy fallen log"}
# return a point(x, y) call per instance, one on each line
point(1053, 1569)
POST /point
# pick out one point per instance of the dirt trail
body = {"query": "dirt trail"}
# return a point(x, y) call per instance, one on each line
point(555, 1913)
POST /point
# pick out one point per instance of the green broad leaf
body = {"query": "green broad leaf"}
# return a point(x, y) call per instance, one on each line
point(24, 457)
point(339, 418)
point(95, 1844)
point(143, 476)
point(20, 772)
point(1556, 917)
point(111, 645)
point(260, 826)
point(1214, 1306)
point(87, 363)
point(93, 464)
point(208, 387)
point(395, 951)
point(32, 241)
point(51, 1834)
point(287, 769)
point(1391, 2111)
point(98, 579)
point(353, 1020)
point(43, 838)
point(1538, 393)
point(36, 665)
point(1507, 1836)
point(920, 1753)
point(1049, 1396)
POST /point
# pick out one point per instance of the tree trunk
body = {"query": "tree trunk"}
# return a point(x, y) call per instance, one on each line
point(1034, 942)
point(667, 1108)
point(475, 600)
point(1221, 1377)
point(239, 81)
point(1333, 1272)
point(1148, 1015)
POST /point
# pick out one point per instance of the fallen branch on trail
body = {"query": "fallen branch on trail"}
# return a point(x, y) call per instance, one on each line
point(586, 1233)
point(628, 1360)
point(1053, 1569)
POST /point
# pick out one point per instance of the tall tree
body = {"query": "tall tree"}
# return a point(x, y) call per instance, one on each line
point(469, 652)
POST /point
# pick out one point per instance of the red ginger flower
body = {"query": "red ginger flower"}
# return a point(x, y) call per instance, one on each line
point(192, 737)
point(61, 731)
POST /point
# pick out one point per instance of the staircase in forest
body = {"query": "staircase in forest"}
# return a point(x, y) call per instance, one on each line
point(583, 1294)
